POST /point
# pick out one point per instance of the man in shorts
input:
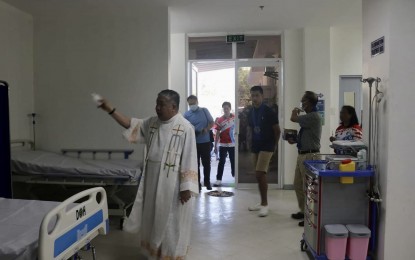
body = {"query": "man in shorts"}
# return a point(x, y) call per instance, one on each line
point(265, 129)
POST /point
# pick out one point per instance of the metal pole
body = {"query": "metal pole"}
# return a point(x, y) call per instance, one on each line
point(34, 130)
point(369, 152)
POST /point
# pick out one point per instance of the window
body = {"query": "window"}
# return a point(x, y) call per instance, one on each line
point(254, 47)
point(206, 48)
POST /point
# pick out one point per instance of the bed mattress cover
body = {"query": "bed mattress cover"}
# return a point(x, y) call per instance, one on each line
point(54, 164)
point(19, 224)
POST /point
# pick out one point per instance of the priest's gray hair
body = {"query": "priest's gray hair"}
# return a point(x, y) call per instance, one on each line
point(172, 95)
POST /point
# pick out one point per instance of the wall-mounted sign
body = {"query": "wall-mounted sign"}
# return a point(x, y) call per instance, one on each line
point(321, 107)
point(377, 46)
point(235, 38)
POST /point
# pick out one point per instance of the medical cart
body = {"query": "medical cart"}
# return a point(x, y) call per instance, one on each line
point(328, 201)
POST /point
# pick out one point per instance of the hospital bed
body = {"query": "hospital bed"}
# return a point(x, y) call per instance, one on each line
point(46, 230)
point(72, 170)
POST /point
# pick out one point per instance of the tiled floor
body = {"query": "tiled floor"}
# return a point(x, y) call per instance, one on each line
point(223, 228)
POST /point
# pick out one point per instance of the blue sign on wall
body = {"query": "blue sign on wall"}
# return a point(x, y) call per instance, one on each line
point(5, 173)
point(321, 109)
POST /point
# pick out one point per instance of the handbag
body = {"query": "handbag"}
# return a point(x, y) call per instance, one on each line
point(211, 136)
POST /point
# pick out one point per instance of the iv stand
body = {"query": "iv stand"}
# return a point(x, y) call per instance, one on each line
point(370, 81)
point(33, 115)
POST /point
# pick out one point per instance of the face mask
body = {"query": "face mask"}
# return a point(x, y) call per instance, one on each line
point(193, 107)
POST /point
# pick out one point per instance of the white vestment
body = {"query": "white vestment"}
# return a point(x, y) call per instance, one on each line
point(170, 166)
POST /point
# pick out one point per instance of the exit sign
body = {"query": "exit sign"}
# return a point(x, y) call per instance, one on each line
point(235, 38)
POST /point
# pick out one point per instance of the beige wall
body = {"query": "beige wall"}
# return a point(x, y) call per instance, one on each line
point(120, 55)
point(293, 56)
point(346, 60)
point(16, 67)
point(178, 67)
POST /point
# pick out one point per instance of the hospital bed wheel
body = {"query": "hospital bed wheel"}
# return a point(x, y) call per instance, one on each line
point(303, 245)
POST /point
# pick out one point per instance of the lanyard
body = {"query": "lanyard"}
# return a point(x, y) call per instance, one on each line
point(257, 115)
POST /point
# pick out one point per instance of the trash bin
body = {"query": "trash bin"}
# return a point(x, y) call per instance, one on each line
point(336, 241)
point(358, 242)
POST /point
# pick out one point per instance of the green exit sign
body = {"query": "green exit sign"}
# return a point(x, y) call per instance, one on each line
point(235, 38)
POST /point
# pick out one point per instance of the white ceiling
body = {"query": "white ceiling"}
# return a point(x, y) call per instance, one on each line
point(228, 16)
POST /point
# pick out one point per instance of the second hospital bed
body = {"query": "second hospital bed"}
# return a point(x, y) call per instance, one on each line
point(46, 230)
point(120, 177)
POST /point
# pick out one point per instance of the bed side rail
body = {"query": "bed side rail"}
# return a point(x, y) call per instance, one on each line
point(23, 143)
point(69, 227)
point(126, 152)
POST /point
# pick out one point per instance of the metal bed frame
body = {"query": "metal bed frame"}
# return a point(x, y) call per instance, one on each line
point(113, 185)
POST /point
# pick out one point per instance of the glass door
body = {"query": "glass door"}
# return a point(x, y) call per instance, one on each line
point(268, 74)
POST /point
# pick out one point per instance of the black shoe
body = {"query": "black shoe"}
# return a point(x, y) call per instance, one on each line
point(297, 215)
point(208, 187)
point(301, 223)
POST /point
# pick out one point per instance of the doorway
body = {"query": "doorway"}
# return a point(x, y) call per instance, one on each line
point(217, 81)
point(350, 93)
point(213, 82)
point(265, 73)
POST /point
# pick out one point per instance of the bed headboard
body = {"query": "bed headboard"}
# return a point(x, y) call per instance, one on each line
point(69, 227)
point(25, 143)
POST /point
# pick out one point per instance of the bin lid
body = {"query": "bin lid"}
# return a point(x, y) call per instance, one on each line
point(336, 230)
point(358, 230)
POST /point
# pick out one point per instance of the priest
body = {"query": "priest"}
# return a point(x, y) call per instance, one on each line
point(162, 211)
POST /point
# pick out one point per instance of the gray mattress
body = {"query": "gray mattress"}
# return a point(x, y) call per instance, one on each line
point(19, 224)
point(53, 164)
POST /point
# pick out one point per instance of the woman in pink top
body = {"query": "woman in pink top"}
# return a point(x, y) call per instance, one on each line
point(225, 126)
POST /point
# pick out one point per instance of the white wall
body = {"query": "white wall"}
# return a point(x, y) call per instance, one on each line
point(345, 60)
point(317, 72)
point(376, 24)
point(122, 55)
point(16, 67)
point(293, 56)
point(178, 67)
point(401, 180)
point(314, 58)
point(395, 67)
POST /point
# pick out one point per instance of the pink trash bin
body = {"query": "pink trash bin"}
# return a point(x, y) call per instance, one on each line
point(358, 242)
point(336, 241)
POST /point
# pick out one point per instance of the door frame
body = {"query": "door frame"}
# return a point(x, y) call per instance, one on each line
point(265, 62)
point(359, 113)
point(280, 94)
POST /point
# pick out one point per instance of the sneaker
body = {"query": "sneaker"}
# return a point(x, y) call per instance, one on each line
point(263, 212)
point(298, 215)
point(217, 184)
point(256, 207)
point(301, 223)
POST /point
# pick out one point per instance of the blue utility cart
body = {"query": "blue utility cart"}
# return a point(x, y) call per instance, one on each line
point(328, 201)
